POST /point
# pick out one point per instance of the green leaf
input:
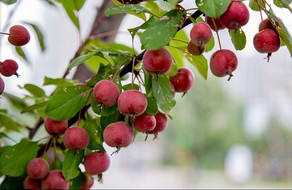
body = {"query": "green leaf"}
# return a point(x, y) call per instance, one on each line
point(94, 130)
point(161, 31)
point(104, 110)
point(67, 102)
point(57, 165)
point(59, 82)
point(15, 101)
point(8, 2)
point(254, 6)
point(34, 90)
point(152, 108)
point(210, 45)
point(9, 121)
point(39, 35)
point(213, 8)
point(163, 94)
point(71, 163)
point(20, 52)
point(14, 160)
point(154, 8)
point(79, 60)
point(77, 182)
point(34, 107)
point(147, 81)
point(127, 8)
point(106, 120)
point(238, 38)
point(104, 72)
point(129, 87)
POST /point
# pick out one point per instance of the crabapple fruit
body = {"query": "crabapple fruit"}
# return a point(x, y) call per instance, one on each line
point(2, 85)
point(144, 123)
point(267, 41)
point(96, 162)
point(8, 67)
point(18, 35)
point(183, 81)
point(106, 92)
point(157, 61)
point(196, 50)
point(132, 103)
point(55, 127)
point(37, 168)
point(87, 184)
point(31, 184)
point(118, 134)
point(201, 34)
point(75, 138)
point(235, 16)
point(223, 62)
point(161, 124)
point(55, 180)
point(219, 25)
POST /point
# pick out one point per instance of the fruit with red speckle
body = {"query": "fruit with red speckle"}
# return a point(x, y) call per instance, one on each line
point(37, 168)
point(87, 184)
point(144, 123)
point(31, 184)
point(183, 81)
point(55, 127)
point(132, 103)
point(8, 67)
point(267, 41)
point(75, 137)
point(161, 124)
point(18, 35)
point(106, 92)
point(196, 50)
point(219, 25)
point(55, 180)
point(96, 162)
point(2, 85)
point(200, 34)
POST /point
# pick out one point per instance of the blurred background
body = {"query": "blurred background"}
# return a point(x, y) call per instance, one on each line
point(224, 134)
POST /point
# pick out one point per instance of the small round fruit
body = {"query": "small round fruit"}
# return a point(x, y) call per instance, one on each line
point(217, 21)
point(55, 180)
point(144, 123)
point(8, 67)
point(55, 127)
point(31, 184)
point(18, 35)
point(267, 41)
point(196, 50)
point(87, 184)
point(223, 62)
point(2, 85)
point(201, 34)
point(183, 81)
point(118, 134)
point(132, 103)
point(161, 124)
point(157, 61)
point(96, 162)
point(235, 16)
point(75, 138)
point(37, 168)
point(106, 92)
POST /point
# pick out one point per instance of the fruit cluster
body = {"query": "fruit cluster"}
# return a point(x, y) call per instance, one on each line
point(17, 36)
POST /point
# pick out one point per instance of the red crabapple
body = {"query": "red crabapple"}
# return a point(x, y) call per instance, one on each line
point(196, 50)
point(2, 85)
point(144, 123)
point(161, 124)
point(31, 184)
point(201, 34)
point(75, 138)
point(8, 67)
point(106, 92)
point(37, 168)
point(87, 184)
point(118, 134)
point(183, 81)
point(235, 16)
point(55, 180)
point(157, 61)
point(55, 127)
point(223, 62)
point(267, 41)
point(217, 21)
point(18, 35)
point(96, 162)
point(132, 103)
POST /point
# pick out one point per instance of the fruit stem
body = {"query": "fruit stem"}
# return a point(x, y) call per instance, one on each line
point(219, 42)
point(119, 69)
point(180, 40)
point(55, 154)
point(133, 66)
point(230, 75)
point(48, 143)
point(4, 33)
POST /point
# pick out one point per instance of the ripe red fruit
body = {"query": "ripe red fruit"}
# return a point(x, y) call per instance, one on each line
point(2, 85)
point(55, 127)
point(37, 168)
point(31, 184)
point(18, 35)
point(96, 162)
point(200, 34)
point(235, 16)
point(118, 134)
point(106, 92)
point(217, 21)
point(161, 124)
point(183, 81)
point(266, 41)
point(144, 123)
point(75, 138)
point(132, 103)
point(8, 67)
point(223, 62)
point(87, 184)
point(55, 180)
point(196, 50)
point(157, 61)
